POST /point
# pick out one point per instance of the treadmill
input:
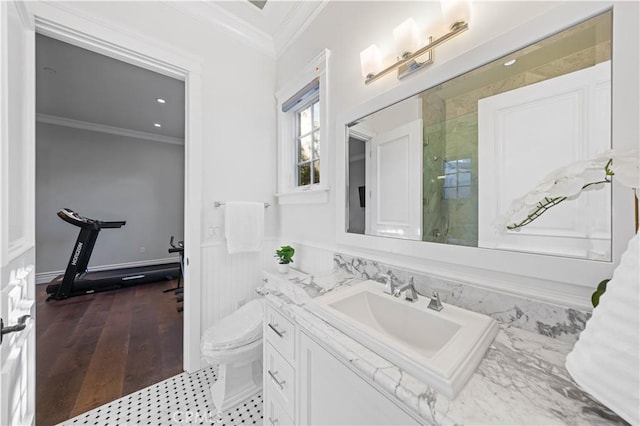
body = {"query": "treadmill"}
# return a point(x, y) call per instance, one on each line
point(77, 281)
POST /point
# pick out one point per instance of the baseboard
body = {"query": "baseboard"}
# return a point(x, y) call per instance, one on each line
point(46, 277)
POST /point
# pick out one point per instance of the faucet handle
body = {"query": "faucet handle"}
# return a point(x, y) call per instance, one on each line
point(388, 283)
point(435, 303)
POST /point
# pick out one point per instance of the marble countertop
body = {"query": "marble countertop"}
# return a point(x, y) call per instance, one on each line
point(521, 380)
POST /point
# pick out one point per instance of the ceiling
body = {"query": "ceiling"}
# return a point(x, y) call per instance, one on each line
point(82, 88)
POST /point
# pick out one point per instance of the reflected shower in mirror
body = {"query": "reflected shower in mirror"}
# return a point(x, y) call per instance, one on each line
point(443, 165)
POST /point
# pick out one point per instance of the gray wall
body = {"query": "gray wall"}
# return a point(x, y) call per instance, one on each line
point(106, 177)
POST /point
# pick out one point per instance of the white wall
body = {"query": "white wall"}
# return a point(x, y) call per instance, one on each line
point(238, 120)
point(106, 177)
point(346, 28)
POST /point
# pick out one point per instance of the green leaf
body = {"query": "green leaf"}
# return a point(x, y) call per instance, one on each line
point(285, 254)
point(602, 287)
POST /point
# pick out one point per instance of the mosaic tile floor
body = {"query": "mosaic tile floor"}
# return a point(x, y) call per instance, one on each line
point(181, 400)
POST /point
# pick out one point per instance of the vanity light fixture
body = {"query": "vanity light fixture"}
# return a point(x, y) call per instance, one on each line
point(407, 40)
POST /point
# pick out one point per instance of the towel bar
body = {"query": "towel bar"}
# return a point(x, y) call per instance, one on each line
point(221, 203)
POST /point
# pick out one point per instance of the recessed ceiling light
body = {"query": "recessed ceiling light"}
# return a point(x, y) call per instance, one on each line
point(161, 101)
point(157, 125)
point(509, 62)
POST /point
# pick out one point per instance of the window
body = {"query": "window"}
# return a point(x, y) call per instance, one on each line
point(308, 144)
point(457, 179)
point(302, 115)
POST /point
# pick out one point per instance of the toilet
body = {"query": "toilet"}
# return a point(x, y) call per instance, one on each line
point(234, 344)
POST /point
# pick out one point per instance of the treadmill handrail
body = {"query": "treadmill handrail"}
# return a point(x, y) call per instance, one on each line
point(114, 224)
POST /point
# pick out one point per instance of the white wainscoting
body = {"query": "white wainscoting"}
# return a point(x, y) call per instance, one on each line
point(229, 280)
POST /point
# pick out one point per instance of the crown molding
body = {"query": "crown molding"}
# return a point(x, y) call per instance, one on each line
point(215, 14)
point(295, 22)
point(101, 128)
point(301, 15)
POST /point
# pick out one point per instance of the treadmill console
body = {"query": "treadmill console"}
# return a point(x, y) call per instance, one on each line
point(75, 219)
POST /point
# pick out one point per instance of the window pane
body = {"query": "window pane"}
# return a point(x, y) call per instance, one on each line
point(316, 115)
point(316, 171)
point(450, 167)
point(449, 193)
point(464, 179)
point(450, 181)
point(304, 149)
point(304, 174)
point(464, 192)
point(316, 144)
point(464, 164)
point(304, 118)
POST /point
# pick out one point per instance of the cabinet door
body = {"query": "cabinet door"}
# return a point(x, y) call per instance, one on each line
point(332, 394)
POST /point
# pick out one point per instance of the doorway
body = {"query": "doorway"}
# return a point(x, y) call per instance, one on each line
point(109, 144)
point(18, 251)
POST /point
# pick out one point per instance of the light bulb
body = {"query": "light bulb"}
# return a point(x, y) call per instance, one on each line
point(455, 11)
point(406, 37)
point(370, 60)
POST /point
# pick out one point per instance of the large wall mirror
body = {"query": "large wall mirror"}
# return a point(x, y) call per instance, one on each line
point(443, 165)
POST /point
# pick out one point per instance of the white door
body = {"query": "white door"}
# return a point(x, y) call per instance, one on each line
point(394, 183)
point(569, 119)
point(17, 211)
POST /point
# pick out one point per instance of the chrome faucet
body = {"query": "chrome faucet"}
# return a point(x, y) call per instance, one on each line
point(409, 289)
point(435, 302)
point(389, 285)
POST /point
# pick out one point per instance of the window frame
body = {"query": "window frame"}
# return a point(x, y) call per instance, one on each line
point(288, 191)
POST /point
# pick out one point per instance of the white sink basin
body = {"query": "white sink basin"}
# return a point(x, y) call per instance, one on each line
point(441, 348)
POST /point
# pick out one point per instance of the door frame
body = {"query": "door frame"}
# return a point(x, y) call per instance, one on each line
point(65, 24)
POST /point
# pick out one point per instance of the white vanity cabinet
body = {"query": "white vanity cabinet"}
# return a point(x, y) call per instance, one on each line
point(305, 384)
point(333, 394)
point(278, 369)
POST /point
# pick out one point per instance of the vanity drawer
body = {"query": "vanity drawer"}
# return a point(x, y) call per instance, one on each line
point(279, 331)
point(274, 413)
point(279, 380)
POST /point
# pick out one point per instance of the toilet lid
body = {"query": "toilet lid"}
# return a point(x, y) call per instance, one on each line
point(240, 328)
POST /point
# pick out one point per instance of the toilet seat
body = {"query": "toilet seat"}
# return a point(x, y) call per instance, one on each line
point(239, 329)
point(234, 345)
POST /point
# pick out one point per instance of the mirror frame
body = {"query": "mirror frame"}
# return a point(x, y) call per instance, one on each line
point(561, 280)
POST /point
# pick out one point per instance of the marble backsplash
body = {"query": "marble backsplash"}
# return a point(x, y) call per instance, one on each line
point(544, 318)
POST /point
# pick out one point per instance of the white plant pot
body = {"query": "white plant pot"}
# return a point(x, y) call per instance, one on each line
point(605, 360)
point(283, 268)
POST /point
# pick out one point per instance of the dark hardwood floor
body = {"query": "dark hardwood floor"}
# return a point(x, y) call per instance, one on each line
point(94, 349)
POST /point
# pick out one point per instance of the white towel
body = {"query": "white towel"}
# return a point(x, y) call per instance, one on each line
point(244, 226)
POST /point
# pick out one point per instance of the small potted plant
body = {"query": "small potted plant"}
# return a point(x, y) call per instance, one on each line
point(285, 257)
